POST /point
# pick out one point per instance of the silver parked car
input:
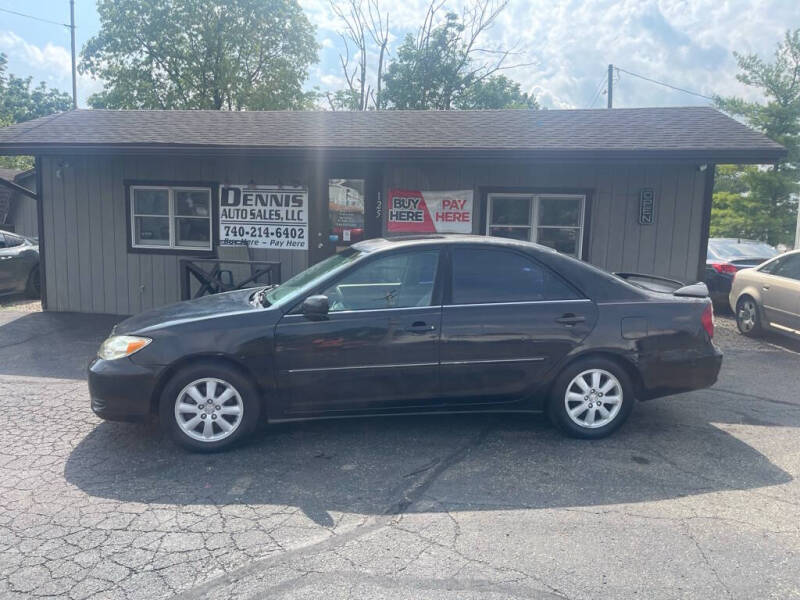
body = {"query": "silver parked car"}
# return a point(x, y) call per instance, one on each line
point(768, 296)
point(19, 265)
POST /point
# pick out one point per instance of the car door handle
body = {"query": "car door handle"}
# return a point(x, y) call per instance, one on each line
point(420, 327)
point(570, 319)
point(765, 287)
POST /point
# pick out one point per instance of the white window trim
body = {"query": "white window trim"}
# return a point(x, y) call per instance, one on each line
point(533, 227)
point(172, 217)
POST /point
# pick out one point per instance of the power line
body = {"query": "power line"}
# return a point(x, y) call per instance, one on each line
point(19, 14)
point(685, 91)
point(598, 92)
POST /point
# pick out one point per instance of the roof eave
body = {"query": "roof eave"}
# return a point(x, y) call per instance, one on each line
point(702, 155)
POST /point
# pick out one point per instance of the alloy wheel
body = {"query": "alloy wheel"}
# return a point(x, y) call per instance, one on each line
point(747, 316)
point(209, 409)
point(593, 398)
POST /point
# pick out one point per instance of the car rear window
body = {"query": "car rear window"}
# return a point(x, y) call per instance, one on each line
point(729, 249)
point(484, 276)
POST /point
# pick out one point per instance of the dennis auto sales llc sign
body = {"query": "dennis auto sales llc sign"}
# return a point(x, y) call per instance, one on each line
point(430, 212)
point(263, 217)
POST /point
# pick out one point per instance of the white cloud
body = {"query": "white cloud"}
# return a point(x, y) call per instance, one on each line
point(50, 63)
point(687, 43)
point(568, 43)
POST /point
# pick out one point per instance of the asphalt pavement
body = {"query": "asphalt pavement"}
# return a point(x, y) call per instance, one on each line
point(695, 497)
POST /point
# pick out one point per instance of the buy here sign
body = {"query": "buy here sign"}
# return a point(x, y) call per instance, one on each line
point(414, 211)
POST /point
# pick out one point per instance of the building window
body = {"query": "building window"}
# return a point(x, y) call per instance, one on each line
point(554, 220)
point(175, 218)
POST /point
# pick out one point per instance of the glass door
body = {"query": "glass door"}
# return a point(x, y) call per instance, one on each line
point(346, 201)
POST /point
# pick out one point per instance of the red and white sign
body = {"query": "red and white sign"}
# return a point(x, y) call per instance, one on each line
point(430, 212)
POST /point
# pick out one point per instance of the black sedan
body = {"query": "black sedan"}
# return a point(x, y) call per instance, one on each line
point(19, 264)
point(411, 325)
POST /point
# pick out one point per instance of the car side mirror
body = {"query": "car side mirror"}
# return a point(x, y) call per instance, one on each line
point(315, 308)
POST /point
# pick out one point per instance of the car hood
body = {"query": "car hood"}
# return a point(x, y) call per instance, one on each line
point(190, 310)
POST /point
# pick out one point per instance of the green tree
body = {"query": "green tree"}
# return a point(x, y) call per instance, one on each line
point(445, 67)
point(19, 102)
point(761, 203)
point(201, 54)
point(497, 91)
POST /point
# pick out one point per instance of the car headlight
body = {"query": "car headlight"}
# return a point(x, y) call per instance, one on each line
point(120, 346)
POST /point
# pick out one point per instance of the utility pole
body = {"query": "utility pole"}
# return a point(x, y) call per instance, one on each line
point(74, 69)
point(610, 87)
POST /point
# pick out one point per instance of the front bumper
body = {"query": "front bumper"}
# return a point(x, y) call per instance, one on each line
point(120, 389)
point(680, 371)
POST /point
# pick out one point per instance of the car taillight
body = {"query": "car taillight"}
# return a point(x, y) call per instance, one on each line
point(724, 268)
point(708, 319)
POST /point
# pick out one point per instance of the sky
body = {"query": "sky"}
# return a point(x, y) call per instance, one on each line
point(564, 46)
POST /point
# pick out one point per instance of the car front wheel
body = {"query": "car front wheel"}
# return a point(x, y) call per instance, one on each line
point(591, 398)
point(209, 407)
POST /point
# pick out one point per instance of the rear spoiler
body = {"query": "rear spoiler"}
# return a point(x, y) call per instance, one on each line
point(694, 290)
point(654, 283)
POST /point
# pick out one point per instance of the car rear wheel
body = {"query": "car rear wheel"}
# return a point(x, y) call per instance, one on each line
point(209, 407)
point(591, 398)
point(747, 318)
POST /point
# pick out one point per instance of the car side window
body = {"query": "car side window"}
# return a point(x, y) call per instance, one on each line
point(11, 240)
point(394, 281)
point(484, 276)
point(2, 241)
point(789, 267)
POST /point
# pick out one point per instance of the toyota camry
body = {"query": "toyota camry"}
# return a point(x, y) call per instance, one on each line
point(411, 325)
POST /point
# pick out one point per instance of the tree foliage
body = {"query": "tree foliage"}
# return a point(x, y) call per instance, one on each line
point(201, 54)
point(447, 64)
point(21, 101)
point(761, 203)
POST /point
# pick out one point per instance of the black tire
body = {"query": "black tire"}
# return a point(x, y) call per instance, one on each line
point(557, 406)
point(748, 317)
point(250, 405)
point(33, 288)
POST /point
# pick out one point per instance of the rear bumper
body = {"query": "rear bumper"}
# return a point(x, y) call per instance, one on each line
point(121, 390)
point(679, 371)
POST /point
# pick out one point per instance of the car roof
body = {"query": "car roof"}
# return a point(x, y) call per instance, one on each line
point(737, 241)
point(378, 244)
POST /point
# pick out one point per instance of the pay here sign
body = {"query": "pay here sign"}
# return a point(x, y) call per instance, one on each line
point(430, 212)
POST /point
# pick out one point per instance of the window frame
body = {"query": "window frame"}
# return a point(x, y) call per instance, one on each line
point(777, 263)
point(212, 188)
point(449, 282)
point(533, 227)
point(437, 295)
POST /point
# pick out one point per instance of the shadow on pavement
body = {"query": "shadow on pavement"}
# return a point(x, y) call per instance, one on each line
point(49, 344)
point(374, 466)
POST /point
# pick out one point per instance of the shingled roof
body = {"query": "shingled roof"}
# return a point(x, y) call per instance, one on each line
point(690, 133)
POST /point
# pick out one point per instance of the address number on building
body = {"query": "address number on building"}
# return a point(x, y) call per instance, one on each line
point(263, 217)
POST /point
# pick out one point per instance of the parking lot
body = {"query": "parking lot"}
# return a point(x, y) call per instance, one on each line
point(696, 497)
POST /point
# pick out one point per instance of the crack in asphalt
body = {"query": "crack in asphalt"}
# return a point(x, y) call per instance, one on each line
point(408, 496)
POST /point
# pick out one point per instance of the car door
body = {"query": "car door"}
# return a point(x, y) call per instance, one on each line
point(507, 319)
point(378, 348)
point(8, 268)
point(780, 292)
point(16, 262)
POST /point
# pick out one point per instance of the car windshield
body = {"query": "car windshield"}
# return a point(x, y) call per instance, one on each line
point(729, 249)
point(297, 285)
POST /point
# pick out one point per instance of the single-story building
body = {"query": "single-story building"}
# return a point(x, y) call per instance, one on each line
point(126, 197)
point(18, 212)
